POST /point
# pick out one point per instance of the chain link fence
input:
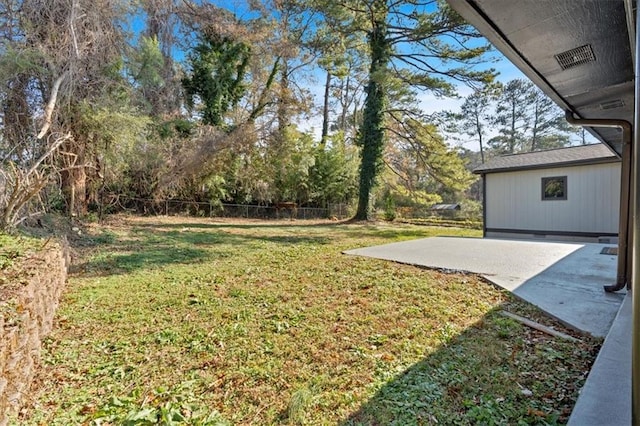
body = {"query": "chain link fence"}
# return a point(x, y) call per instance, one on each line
point(172, 207)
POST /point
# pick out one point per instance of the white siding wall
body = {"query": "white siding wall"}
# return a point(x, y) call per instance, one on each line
point(514, 200)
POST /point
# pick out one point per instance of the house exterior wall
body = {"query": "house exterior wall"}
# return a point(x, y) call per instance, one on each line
point(513, 202)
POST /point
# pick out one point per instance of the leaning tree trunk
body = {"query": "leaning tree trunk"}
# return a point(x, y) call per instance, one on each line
point(372, 130)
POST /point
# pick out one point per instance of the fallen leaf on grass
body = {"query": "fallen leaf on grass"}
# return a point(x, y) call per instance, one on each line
point(536, 413)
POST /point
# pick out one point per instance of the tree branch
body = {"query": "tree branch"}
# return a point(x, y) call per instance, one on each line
point(48, 111)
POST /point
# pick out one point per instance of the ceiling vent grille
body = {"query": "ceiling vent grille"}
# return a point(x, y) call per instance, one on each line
point(574, 57)
point(617, 103)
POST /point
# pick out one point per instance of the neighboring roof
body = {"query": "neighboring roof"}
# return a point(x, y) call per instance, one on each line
point(571, 156)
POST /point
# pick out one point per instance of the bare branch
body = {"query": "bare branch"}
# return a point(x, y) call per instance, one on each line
point(59, 141)
point(48, 111)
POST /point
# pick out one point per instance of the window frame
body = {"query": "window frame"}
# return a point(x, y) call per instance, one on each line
point(545, 181)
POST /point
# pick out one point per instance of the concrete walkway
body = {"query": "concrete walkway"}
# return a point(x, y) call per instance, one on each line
point(564, 279)
point(605, 398)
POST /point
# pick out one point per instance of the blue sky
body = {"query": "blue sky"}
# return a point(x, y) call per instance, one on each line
point(428, 101)
point(507, 71)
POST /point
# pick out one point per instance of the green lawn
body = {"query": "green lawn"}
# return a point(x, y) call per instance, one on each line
point(14, 247)
point(204, 322)
point(14, 251)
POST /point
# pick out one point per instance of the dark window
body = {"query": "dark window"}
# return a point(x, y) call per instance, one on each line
point(554, 188)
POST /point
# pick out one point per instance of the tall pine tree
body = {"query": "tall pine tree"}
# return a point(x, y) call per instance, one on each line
point(424, 44)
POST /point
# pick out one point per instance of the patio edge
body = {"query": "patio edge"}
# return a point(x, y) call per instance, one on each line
point(605, 398)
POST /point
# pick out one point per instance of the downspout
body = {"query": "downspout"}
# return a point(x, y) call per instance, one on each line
point(625, 232)
point(484, 205)
point(635, 254)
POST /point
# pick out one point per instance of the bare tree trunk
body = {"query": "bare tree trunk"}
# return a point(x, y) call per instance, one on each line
point(284, 118)
point(325, 111)
point(534, 135)
point(74, 180)
point(345, 104)
point(479, 130)
point(512, 138)
point(74, 188)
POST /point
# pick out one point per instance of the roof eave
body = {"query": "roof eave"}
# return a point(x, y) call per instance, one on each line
point(588, 162)
point(488, 29)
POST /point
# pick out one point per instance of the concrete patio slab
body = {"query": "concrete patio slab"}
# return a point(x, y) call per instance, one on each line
point(564, 279)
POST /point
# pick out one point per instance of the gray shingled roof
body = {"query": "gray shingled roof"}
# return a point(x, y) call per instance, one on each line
point(574, 155)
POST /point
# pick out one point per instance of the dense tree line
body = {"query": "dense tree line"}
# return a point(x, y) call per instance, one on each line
point(169, 98)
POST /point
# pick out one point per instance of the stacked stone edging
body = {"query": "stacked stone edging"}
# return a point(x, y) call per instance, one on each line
point(26, 317)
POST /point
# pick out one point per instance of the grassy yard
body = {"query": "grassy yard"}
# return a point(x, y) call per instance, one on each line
point(13, 248)
point(202, 322)
point(14, 251)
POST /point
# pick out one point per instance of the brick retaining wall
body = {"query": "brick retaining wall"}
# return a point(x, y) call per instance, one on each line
point(26, 317)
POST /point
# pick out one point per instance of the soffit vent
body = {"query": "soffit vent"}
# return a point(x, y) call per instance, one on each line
point(574, 57)
point(617, 103)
